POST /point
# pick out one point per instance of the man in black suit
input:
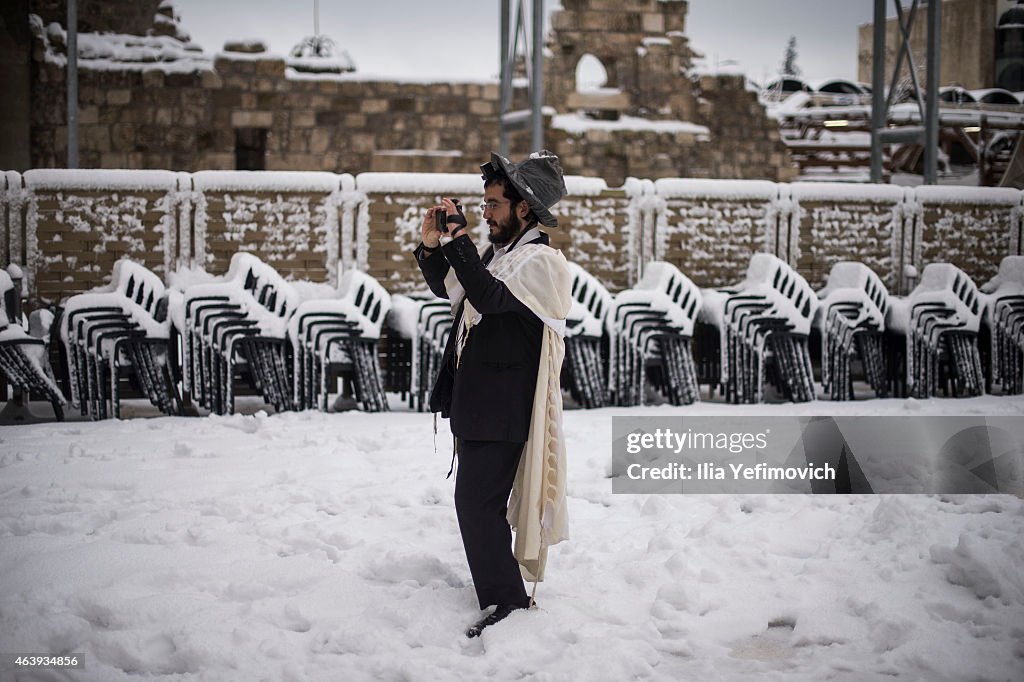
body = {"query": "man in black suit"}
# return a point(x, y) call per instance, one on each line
point(489, 372)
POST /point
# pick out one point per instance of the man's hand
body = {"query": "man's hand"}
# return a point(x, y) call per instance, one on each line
point(429, 233)
point(451, 209)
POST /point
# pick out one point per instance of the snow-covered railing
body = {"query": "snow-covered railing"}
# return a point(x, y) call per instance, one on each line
point(24, 355)
point(317, 226)
point(238, 322)
point(339, 333)
point(116, 331)
point(939, 322)
point(1004, 316)
point(851, 319)
point(653, 324)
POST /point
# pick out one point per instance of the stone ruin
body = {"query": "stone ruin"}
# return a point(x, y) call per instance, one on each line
point(189, 110)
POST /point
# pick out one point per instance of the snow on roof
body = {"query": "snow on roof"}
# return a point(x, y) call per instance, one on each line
point(248, 56)
point(956, 194)
point(94, 179)
point(576, 123)
point(309, 181)
point(842, 191)
point(716, 189)
point(122, 52)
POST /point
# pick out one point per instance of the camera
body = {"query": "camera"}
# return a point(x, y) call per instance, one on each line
point(442, 219)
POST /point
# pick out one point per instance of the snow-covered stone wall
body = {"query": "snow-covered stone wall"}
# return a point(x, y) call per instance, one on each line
point(594, 224)
point(831, 222)
point(69, 227)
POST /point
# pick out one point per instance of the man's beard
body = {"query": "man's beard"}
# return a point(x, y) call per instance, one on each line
point(507, 231)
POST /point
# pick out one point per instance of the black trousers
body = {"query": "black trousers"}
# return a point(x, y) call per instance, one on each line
point(483, 483)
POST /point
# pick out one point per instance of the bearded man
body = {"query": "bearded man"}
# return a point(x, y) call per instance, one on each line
point(499, 375)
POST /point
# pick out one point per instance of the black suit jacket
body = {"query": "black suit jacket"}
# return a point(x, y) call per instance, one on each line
point(489, 396)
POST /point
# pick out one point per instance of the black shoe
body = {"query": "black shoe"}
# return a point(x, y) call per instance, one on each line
point(500, 613)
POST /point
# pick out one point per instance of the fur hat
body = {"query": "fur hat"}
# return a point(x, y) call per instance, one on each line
point(538, 180)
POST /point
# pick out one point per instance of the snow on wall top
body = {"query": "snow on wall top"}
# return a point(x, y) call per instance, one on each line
point(419, 183)
point(575, 123)
point(457, 183)
point(952, 194)
point(360, 77)
point(268, 181)
point(838, 191)
point(93, 179)
point(715, 189)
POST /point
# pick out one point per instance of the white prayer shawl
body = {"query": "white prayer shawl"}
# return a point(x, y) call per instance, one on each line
point(538, 276)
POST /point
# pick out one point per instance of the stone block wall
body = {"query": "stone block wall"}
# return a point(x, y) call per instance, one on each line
point(833, 222)
point(75, 230)
point(594, 227)
point(747, 144)
point(710, 230)
point(972, 230)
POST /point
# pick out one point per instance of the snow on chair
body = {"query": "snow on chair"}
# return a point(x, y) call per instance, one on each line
point(765, 319)
point(583, 365)
point(24, 355)
point(340, 334)
point(651, 327)
point(851, 319)
point(119, 331)
point(1004, 320)
point(239, 323)
point(939, 322)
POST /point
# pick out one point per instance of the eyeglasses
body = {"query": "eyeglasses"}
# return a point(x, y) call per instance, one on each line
point(491, 205)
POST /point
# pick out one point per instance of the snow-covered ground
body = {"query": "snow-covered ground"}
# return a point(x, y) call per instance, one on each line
point(310, 546)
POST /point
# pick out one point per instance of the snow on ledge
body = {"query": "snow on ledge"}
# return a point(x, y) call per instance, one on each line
point(950, 194)
point(94, 179)
point(457, 183)
point(580, 186)
point(266, 181)
point(575, 123)
point(845, 191)
point(419, 183)
point(360, 77)
point(695, 188)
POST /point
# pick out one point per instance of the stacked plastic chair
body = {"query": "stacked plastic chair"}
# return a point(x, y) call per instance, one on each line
point(651, 326)
point(120, 331)
point(583, 365)
point(433, 325)
point(939, 323)
point(1004, 318)
point(341, 334)
point(238, 325)
point(421, 322)
point(766, 319)
point(851, 319)
point(24, 355)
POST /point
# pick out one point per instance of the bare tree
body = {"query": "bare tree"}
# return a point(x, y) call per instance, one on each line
point(789, 67)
